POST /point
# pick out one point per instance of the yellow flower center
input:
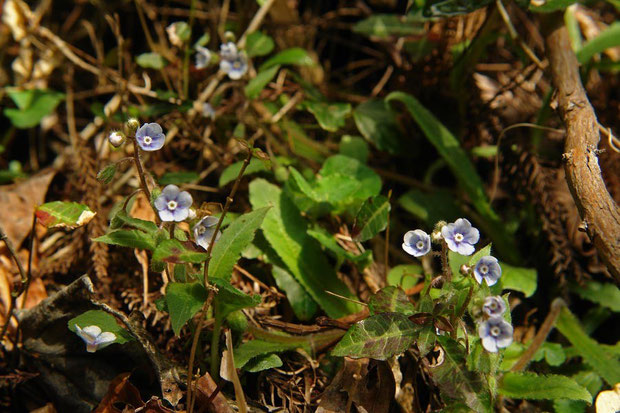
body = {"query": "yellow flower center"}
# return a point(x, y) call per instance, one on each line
point(419, 245)
point(458, 237)
point(172, 205)
point(148, 140)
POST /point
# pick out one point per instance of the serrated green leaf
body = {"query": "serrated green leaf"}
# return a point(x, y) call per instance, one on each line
point(103, 320)
point(462, 168)
point(372, 218)
point(378, 337)
point(607, 295)
point(59, 214)
point(33, 105)
point(173, 251)
point(292, 56)
point(232, 171)
point(456, 383)
point(377, 122)
point(533, 387)
point(238, 235)
point(331, 116)
point(587, 379)
point(605, 364)
point(386, 25)
point(285, 229)
point(258, 83)
point(259, 44)
point(390, 300)
point(229, 299)
point(106, 175)
point(123, 218)
point(151, 61)
point(264, 362)
point(184, 300)
point(354, 147)
point(128, 238)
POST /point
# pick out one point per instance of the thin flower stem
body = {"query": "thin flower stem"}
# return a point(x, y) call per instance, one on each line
point(541, 335)
point(192, 9)
point(24, 279)
point(212, 291)
point(215, 342)
point(138, 162)
point(445, 266)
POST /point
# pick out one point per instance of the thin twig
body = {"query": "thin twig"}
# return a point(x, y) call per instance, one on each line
point(9, 314)
point(31, 248)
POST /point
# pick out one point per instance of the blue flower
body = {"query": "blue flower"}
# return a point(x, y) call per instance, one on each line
point(233, 62)
point(203, 231)
point(488, 269)
point(495, 333)
point(494, 306)
point(460, 236)
point(94, 338)
point(203, 57)
point(417, 243)
point(150, 137)
point(173, 204)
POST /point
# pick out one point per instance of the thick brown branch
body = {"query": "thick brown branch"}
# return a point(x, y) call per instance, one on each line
point(597, 208)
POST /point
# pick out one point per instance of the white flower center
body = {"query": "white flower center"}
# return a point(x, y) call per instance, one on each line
point(237, 65)
point(458, 237)
point(201, 230)
point(493, 305)
point(495, 331)
point(484, 269)
point(419, 245)
point(172, 205)
point(148, 140)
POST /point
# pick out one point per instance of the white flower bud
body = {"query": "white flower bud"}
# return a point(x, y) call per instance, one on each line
point(116, 138)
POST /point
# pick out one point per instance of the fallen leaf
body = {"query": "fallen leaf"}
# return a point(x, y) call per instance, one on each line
point(141, 209)
point(18, 203)
point(120, 391)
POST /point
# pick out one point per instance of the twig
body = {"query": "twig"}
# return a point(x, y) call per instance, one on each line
point(239, 395)
point(9, 314)
point(31, 248)
point(600, 213)
point(541, 335)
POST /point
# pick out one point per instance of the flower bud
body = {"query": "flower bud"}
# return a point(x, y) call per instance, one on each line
point(133, 124)
point(116, 138)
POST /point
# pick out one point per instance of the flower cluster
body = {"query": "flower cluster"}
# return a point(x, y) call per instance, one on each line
point(460, 237)
point(94, 338)
point(495, 332)
point(233, 62)
point(173, 204)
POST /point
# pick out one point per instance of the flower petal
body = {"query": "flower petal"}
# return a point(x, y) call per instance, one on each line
point(166, 215)
point(184, 200)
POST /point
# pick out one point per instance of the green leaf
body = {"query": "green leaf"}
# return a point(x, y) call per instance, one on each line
point(255, 348)
point(362, 182)
point(331, 116)
point(447, 8)
point(328, 241)
point(372, 218)
point(151, 61)
point(430, 207)
point(593, 354)
point(378, 337)
point(533, 387)
point(587, 379)
point(462, 168)
point(227, 250)
point(386, 25)
point(518, 279)
point(607, 295)
point(232, 171)
point(58, 214)
point(457, 384)
point(128, 238)
point(184, 300)
point(264, 362)
point(390, 300)
point(177, 178)
point(182, 30)
point(258, 44)
point(258, 83)
point(377, 122)
point(354, 147)
point(103, 320)
point(551, 5)
point(405, 276)
point(229, 299)
point(302, 304)
point(301, 144)
point(33, 105)
point(123, 218)
point(553, 353)
point(285, 229)
point(106, 175)
point(172, 250)
point(293, 56)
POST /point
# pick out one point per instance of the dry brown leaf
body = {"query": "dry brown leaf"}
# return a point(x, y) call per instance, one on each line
point(18, 204)
point(141, 209)
point(36, 294)
point(120, 391)
point(48, 408)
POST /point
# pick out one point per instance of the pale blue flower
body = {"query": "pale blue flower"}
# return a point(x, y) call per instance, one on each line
point(494, 306)
point(150, 137)
point(495, 333)
point(203, 231)
point(460, 236)
point(488, 269)
point(416, 243)
point(233, 62)
point(94, 338)
point(173, 204)
point(203, 57)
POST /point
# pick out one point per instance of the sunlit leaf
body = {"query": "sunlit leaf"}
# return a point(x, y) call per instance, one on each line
point(607, 295)
point(354, 147)
point(33, 105)
point(232, 171)
point(151, 61)
point(103, 320)
point(230, 299)
point(259, 44)
point(331, 116)
point(264, 362)
point(372, 218)
point(292, 56)
point(128, 238)
point(174, 251)
point(390, 300)
point(63, 214)
point(258, 83)
point(386, 25)
point(532, 386)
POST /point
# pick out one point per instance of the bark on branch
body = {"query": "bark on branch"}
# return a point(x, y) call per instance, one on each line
point(597, 208)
